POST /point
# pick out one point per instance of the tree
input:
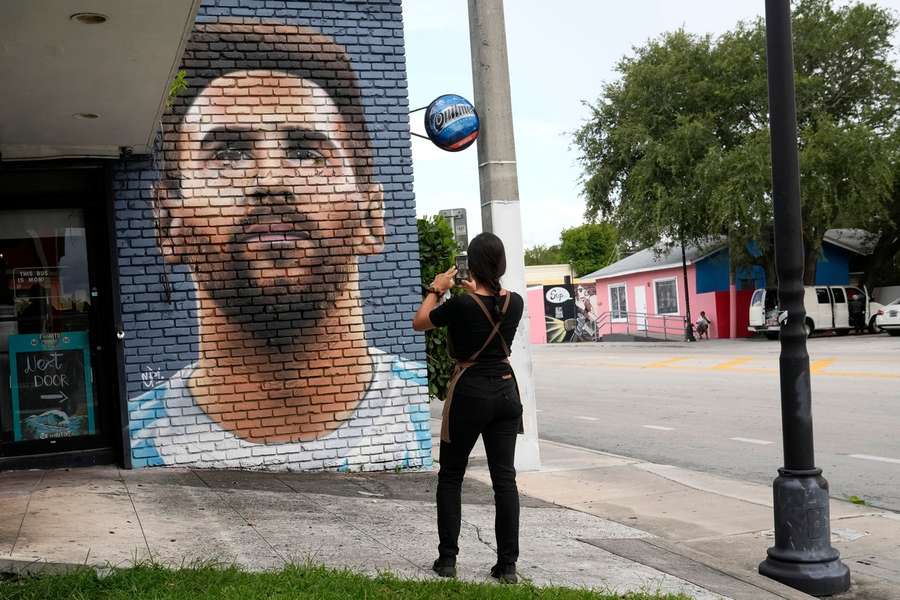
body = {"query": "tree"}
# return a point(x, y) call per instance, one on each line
point(589, 247)
point(883, 266)
point(678, 148)
point(543, 255)
point(437, 253)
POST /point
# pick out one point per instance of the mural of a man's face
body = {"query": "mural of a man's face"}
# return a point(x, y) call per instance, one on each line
point(268, 197)
point(264, 200)
point(268, 194)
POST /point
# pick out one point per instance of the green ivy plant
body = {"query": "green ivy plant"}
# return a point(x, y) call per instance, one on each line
point(177, 86)
point(437, 253)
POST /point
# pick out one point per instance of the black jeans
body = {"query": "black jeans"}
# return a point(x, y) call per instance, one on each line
point(489, 406)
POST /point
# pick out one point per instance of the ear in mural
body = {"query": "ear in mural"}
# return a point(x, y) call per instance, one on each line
point(268, 199)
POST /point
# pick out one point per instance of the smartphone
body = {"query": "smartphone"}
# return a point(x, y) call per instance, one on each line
point(462, 268)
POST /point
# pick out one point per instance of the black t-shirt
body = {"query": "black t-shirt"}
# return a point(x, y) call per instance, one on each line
point(468, 328)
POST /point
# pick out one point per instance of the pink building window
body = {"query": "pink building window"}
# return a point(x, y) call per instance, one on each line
point(618, 303)
point(666, 292)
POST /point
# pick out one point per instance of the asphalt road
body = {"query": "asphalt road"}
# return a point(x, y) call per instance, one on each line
point(714, 406)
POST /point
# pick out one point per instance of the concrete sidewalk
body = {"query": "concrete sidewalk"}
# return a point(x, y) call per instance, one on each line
point(588, 520)
point(702, 524)
point(370, 522)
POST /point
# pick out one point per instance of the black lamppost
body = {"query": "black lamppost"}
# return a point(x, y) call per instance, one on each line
point(802, 556)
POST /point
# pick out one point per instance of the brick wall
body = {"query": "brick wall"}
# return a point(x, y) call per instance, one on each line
point(268, 254)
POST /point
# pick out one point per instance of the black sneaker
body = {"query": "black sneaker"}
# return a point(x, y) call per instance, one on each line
point(444, 567)
point(505, 573)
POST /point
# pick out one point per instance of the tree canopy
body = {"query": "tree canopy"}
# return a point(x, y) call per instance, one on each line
point(677, 148)
point(589, 247)
point(543, 255)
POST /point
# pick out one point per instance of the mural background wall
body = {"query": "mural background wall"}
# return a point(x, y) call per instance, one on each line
point(268, 254)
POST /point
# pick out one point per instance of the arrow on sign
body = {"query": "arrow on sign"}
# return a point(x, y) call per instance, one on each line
point(61, 396)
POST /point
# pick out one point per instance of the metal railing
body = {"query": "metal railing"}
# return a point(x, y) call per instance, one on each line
point(666, 327)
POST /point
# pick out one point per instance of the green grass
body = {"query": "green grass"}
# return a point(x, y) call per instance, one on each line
point(152, 582)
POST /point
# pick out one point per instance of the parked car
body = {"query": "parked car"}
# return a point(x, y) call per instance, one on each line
point(828, 308)
point(888, 318)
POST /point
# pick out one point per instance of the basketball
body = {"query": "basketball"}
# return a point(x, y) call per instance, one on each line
point(451, 123)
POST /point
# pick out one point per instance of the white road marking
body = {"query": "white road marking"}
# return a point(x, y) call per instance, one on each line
point(588, 418)
point(752, 441)
point(876, 458)
point(659, 427)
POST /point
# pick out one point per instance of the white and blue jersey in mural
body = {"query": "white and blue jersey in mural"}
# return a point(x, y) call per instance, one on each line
point(389, 429)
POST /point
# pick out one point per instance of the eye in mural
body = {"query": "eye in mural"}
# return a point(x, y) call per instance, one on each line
point(268, 198)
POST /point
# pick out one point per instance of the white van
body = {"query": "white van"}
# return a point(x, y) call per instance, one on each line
point(828, 308)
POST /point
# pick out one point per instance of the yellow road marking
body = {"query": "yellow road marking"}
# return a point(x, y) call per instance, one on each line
point(661, 364)
point(817, 366)
point(731, 364)
point(861, 374)
point(670, 364)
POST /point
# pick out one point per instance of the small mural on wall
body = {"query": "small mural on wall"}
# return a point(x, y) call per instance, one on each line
point(586, 313)
point(559, 313)
point(269, 198)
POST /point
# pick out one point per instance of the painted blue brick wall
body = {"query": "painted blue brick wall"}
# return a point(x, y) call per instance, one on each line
point(162, 331)
point(712, 272)
point(833, 268)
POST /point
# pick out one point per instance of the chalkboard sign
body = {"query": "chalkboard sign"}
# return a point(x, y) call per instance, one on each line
point(50, 377)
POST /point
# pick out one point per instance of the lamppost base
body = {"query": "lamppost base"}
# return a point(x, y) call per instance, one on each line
point(815, 579)
point(802, 556)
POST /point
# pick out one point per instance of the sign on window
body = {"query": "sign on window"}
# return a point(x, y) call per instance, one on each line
point(50, 377)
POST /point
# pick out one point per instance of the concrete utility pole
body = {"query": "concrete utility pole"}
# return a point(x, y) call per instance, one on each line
point(500, 213)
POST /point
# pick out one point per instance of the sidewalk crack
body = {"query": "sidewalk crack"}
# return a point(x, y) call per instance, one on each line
point(478, 534)
point(136, 515)
point(247, 521)
point(336, 515)
point(25, 512)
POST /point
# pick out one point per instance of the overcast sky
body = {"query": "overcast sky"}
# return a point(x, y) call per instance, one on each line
point(558, 58)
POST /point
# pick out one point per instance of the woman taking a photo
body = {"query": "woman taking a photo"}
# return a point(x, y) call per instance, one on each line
point(482, 398)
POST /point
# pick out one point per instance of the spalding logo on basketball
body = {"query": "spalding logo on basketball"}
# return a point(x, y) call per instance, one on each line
point(451, 123)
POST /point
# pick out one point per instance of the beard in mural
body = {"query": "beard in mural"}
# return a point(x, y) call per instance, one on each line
point(269, 197)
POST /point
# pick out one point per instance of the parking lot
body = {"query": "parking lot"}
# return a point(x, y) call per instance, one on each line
point(715, 406)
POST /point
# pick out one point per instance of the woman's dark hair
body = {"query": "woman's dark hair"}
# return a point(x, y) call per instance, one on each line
point(487, 263)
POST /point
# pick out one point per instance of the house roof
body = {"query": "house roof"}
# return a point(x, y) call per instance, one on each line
point(656, 258)
point(858, 241)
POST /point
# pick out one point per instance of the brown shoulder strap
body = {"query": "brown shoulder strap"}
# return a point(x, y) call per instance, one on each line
point(496, 330)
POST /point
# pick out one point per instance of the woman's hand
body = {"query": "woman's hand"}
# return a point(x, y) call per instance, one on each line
point(444, 281)
point(469, 285)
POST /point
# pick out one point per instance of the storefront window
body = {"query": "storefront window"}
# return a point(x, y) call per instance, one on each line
point(46, 382)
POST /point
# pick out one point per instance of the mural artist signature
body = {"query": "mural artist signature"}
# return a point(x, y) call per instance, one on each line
point(151, 376)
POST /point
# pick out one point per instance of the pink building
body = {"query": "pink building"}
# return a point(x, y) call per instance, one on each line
point(538, 332)
point(643, 295)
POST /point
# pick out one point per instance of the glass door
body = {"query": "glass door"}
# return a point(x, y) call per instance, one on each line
point(48, 395)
